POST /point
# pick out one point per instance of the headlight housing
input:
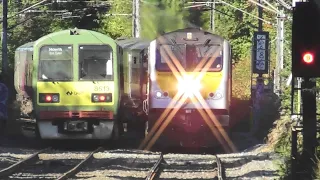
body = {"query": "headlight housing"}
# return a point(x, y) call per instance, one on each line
point(103, 97)
point(49, 97)
point(161, 95)
point(215, 96)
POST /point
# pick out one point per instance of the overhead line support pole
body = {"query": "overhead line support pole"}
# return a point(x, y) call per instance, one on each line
point(212, 7)
point(260, 16)
point(138, 25)
point(136, 18)
point(280, 49)
point(133, 18)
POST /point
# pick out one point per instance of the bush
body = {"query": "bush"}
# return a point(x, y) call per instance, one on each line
point(318, 171)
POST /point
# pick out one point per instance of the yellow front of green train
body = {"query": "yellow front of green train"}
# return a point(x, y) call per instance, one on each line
point(75, 83)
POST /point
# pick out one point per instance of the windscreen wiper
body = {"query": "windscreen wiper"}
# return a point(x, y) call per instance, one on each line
point(176, 45)
point(49, 79)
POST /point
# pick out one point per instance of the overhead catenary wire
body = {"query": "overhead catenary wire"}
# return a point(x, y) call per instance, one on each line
point(40, 4)
point(26, 9)
point(268, 22)
point(284, 4)
point(73, 1)
point(264, 7)
point(223, 2)
point(225, 14)
point(269, 4)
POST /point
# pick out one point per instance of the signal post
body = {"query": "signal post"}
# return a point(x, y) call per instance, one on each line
point(305, 65)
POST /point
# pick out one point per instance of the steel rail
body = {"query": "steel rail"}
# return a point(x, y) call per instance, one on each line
point(155, 168)
point(11, 169)
point(220, 169)
point(74, 170)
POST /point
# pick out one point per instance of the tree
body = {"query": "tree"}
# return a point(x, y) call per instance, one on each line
point(116, 26)
point(159, 16)
point(30, 26)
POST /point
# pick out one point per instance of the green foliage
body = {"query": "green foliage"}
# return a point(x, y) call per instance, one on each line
point(165, 16)
point(238, 27)
point(318, 171)
point(30, 26)
point(118, 26)
point(241, 80)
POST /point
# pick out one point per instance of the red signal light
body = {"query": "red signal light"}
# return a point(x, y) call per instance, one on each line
point(102, 98)
point(48, 98)
point(308, 58)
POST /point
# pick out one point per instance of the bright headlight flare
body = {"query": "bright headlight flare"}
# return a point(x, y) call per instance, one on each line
point(189, 86)
point(105, 97)
point(49, 97)
point(158, 94)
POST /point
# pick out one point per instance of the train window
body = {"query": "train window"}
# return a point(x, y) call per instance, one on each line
point(55, 63)
point(95, 62)
point(174, 54)
point(209, 53)
point(189, 56)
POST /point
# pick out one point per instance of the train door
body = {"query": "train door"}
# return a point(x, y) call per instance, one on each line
point(143, 74)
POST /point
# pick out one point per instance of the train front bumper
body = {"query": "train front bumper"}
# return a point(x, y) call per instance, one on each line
point(101, 131)
point(64, 124)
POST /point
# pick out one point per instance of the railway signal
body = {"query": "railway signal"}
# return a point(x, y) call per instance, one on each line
point(305, 64)
point(308, 58)
point(305, 40)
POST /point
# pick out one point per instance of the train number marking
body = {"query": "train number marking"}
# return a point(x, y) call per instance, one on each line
point(101, 88)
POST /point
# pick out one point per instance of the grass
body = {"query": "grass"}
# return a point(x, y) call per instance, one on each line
point(318, 171)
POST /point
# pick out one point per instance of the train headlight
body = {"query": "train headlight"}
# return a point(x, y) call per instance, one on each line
point(160, 95)
point(216, 95)
point(189, 86)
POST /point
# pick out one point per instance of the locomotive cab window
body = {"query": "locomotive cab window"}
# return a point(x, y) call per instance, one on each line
point(55, 63)
point(170, 53)
point(95, 62)
point(189, 56)
point(210, 54)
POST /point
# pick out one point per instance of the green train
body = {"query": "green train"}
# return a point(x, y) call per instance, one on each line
point(76, 84)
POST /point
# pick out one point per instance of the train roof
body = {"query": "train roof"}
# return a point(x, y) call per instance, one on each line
point(197, 33)
point(133, 43)
point(74, 36)
point(26, 47)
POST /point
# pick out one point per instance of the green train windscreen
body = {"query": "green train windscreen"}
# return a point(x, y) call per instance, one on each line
point(55, 63)
point(95, 62)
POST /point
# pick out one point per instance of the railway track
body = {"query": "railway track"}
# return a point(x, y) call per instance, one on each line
point(34, 163)
point(190, 169)
point(112, 164)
